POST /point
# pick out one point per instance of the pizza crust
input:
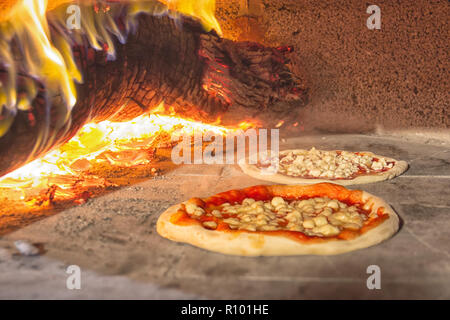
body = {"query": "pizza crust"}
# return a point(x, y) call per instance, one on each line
point(254, 244)
point(253, 171)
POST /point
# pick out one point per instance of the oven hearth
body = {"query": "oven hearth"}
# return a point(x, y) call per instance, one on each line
point(314, 72)
point(113, 238)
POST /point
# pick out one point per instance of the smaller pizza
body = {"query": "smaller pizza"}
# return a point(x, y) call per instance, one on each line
point(320, 219)
point(315, 166)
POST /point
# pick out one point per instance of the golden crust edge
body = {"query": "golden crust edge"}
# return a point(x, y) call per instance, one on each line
point(247, 244)
point(399, 168)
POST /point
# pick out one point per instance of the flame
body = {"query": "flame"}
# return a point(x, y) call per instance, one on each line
point(120, 143)
point(43, 60)
point(48, 58)
point(204, 10)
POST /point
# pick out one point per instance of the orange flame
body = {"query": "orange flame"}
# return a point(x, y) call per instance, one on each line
point(53, 63)
point(204, 10)
point(46, 61)
point(120, 144)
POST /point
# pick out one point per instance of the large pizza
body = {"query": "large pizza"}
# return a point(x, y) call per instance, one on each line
point(322, 219)
point(314, 166)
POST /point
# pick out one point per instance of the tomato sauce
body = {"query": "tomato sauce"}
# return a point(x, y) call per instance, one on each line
point(264, 193)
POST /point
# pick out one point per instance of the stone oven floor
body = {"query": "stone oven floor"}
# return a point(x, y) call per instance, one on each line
point(114, 241)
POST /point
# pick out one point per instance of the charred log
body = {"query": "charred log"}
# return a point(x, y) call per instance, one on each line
point(199, 74)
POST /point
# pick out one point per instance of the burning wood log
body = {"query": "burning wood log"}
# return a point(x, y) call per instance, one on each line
point(199, 74)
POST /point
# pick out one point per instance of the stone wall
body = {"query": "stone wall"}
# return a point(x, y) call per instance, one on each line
point(360, 79)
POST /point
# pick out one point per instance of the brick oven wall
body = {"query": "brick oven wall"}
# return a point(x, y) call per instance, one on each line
point(360, 79)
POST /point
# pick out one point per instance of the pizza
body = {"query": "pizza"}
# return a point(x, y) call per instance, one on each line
point(314, 166)
point(320, 219)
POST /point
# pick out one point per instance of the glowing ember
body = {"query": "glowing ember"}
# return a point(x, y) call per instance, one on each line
point(279, 124)
point(67, 172)
point(120, 144)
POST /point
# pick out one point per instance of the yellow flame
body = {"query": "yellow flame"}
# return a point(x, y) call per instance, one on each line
point(106, 136)
point(44, 60)
point(49, 57)
point(204, 10)
point(53, 63)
